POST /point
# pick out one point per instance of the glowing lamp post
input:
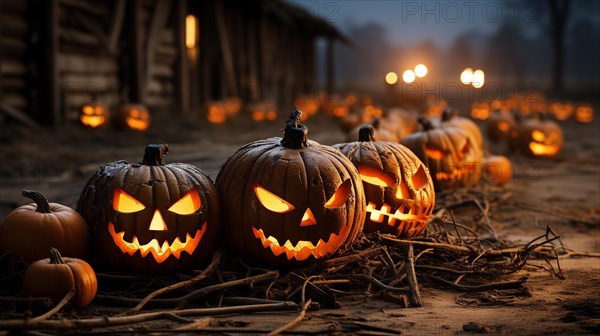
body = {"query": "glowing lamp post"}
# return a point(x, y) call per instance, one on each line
point(466, 77)
point(391, 78)
point(420, 70)
point(478, 79)
point(408, 76)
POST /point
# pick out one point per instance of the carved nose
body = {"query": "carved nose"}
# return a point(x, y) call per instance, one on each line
point(158, 223)
point(308, 219)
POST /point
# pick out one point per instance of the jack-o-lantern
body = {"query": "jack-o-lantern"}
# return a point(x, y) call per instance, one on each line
point(561, 111)
point(94, 115)
point(480, 111)
point(133, 117)
point(290, 200)
point(451, 154)
point(538, 137)
point(584, 114)
point(215, 113)
point(450, 117)
point(380, 132)
point(360, 115)
point(398, 189)
point(151, 217)
point(499, 125)
point(403, 121)
point(308, 105)
point(263, 111)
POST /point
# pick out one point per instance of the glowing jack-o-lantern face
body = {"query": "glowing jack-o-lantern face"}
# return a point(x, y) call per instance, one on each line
point(398, 189)
point(133, 117)
point(94, 115)
point(538, 137)
point(584, 114)
point(450, 154)
point(298, 201)
point(151, 217)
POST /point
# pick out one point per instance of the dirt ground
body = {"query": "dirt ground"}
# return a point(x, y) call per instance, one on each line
point(563, 193)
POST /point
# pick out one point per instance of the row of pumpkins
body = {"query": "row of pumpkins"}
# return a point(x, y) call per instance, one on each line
point(281, 202)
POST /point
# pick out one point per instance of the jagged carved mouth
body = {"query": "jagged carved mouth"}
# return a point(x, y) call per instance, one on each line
point(542, 149)
point(456, 175)
point(160, 253)
point(303, 249)
point(379, 215)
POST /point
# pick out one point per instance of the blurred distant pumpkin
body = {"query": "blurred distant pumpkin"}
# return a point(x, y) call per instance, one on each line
point(216, 113)
point(499, 125)
point(56, 276)
point(401, 121)
point(380, 132)
point(262, 111)
point(308, 105)
point(30, 230)
point(480, 111)
point(538, 137)
point(584, 114)
point(290, 200)
point(360, 115)
point(449, 152)
point(450, 117)
point(497, 169)
point(94, 115)
point(151, 216)
point(561, 111)
point(398, 189)
point(133, 117)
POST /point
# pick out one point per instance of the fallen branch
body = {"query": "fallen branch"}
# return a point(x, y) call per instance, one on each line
point(293, 322)
point(478, 288)
point(57, 308)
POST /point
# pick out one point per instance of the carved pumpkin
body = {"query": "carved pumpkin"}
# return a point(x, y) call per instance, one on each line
point(562, 111)
point(56, 276)
point(403, 121)
point(497, 169)
point(263, 111)
point(584, 114)
point(360, 115)
point(132, 117)
point(30, 230)
point(398, 189)
point(480, 111)
point(538, 137)
point(151, 217)
point(450, 153)
point(499, 125)
point(216, 113)
point(451, 118)
point(380, 132)
point(94, 115)
point(295, 200)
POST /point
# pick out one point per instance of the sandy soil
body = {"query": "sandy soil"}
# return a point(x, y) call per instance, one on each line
point(563, 193)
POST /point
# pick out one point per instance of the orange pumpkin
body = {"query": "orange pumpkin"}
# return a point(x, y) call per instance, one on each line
point(497, 169)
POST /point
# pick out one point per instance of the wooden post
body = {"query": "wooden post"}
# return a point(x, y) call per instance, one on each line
point(137, 64)
point(48, 85)
point(1, 52)
point(329, 85)
point(115, 29)
point(183, 73)
point(226, 50)
point(159, 18)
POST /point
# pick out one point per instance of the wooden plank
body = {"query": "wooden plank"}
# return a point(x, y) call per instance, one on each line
point(182, 76)
point(93, 26)
point(159, 19)
point(96, 80)
point(12, 83)
point(226, 50)
point(166, 55)
point(160, 101)
point(13, 6)
point(12, 46)
point(48, 110)
point(97, 8)
point(76, 100)
point(167, 36)
point(15, 100)
point(162, 71)
point(18, 115)
point(86, 64)
point(116, 27)
point(13, 25)
point(78, 37)
point(137, 68)
point(12, 67)
point(157, 87)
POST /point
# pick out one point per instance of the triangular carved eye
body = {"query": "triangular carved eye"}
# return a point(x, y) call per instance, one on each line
point(188, 204)
point(375, 176)
point(340, 196)
point(466, 148)
point(271, 201)
point(435, 153)
point(123, 202)
point(419, 179)
point(538, 136)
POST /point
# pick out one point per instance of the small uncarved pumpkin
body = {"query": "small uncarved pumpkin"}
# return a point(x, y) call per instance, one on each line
point(151, 217)
point(497, 169)
point(56, 276)
point(398, 189)
point(290, 200)
point(451, 154)
point(30, 230)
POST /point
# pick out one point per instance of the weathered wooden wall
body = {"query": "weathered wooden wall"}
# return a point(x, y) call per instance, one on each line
point(14, 30)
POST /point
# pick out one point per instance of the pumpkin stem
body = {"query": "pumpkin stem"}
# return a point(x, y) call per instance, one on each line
point(153, 156)
point(448, 114)
point(365, 133)
point(427, 125)
point(39, 199)
point(55, 257)
point(295, 135)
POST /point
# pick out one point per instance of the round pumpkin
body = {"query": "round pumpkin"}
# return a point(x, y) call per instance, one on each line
point(497, 169)
point(380, 131)
point(151, 216)
point(290, 200)
point(30, 230)
point(94, 115)
point(499, 125)
point(398, 189)
point(450, 153)
point(538, 137)
point(54, 277)
point(132, 117)
point(450, 117)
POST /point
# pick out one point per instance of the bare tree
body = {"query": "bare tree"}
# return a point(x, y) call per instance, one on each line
point(559, 12)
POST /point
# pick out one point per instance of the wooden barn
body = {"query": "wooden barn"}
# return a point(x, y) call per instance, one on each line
point(172, 56)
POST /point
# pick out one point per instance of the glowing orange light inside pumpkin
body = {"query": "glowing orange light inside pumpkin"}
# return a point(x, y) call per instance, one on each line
point(157, 223)
point(340, 196)
point(216, 114)
point(584, 114)
point(419, 178)
point(375, 176)
point(258, 115)
point(435, 154)
point(503, 126)
point(191, 31)
point(271, 115)
point(159, 252)
point(538, 136)
point(308, 218)
point(539, 149)
point(125, 203)
point(271, 201)
point(137, 119)
point(188, 204)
